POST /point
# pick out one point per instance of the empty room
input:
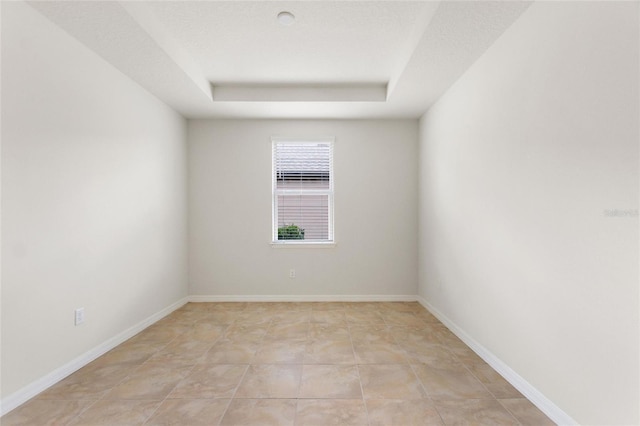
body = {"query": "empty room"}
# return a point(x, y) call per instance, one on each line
point(320, 213)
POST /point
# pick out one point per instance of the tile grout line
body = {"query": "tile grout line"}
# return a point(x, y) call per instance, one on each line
point(248, 367)
point(295, 412)
point(466, 367)
point(186, 375)
point(424, 389)
point(77, 416)
point(106, 392)
point(509, 411)
point(239, 381)
point(357, 365)
point(150, 416)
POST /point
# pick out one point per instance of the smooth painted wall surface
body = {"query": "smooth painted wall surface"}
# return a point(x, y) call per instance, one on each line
point(93, 199)
point(529, 198)
point(375, 166)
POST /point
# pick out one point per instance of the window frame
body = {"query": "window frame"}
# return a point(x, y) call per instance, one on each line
point(330, 192)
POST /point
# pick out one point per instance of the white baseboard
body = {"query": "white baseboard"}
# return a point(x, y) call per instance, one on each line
point(304, 298)
point(23, 395)
point(534, 395)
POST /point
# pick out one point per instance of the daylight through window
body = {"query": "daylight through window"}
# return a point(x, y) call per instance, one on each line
point(302, 191)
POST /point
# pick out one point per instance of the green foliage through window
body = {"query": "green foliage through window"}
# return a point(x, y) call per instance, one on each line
point(290, 232)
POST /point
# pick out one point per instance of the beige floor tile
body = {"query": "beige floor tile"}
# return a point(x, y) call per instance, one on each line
point(208, 381)
point(121, 413)
point(426, 353)
point(245, 332)
point(363, 306)
point(280, 352)
point(403, 318)
point(391, 381)
point(484, 372)
point(500, 388)
point(326, 331)
point(328, 317)
point(329, 352)
point(379, 353)
point(253, 318)
point(363, 317)
point(270, 381)
point(175, 321)
point(283, 330)
point(291, 317)
point(191, 412)
point(330, 381)
point(276, 306)
point(149, 382)
point(326, 412)
point(221, 317)
point(159, 335)
point(186, 316)
point(99, 371)
point(474, 412)
point(229, 306)
point(402, 412)
point(205, 331)
point(304, 306)
point(260, 412)
point(416, 335)
point(327, 306)
point(196, 306)
point(450, 381)
point(426, 316)
point(128, 353)
point(448, 338)
point(246, 363)
point(296, 306)
point(307, 306)
point(43, 412)
point(182, 350)
point(400, 306)
point(91, 382)
point(372, 333)
point(526, 413)
point(231, 352)
point(465, 355)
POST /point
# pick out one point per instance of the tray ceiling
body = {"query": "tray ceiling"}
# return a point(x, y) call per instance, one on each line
point(343, 59)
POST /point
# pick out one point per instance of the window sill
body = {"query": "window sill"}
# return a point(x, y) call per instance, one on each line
point(305, 245)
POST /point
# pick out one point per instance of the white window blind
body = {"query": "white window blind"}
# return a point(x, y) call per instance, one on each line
point(302, 191)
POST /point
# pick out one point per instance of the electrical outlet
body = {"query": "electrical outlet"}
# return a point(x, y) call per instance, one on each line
point(79, 316)
point(292, 273)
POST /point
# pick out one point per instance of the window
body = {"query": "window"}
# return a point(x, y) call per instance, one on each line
point(302, 191)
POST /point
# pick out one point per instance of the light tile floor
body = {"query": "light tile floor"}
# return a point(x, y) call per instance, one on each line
point(286, 364)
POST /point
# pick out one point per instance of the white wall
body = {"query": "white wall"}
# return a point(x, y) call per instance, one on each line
point(375, 211)
point(521, 162)
point(93, 199)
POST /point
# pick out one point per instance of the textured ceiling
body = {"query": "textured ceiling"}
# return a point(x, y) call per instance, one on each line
point(344, 59)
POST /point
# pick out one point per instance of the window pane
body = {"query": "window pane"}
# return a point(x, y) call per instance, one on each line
point(303, 190)
point(302, 166)
point(309, 212)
